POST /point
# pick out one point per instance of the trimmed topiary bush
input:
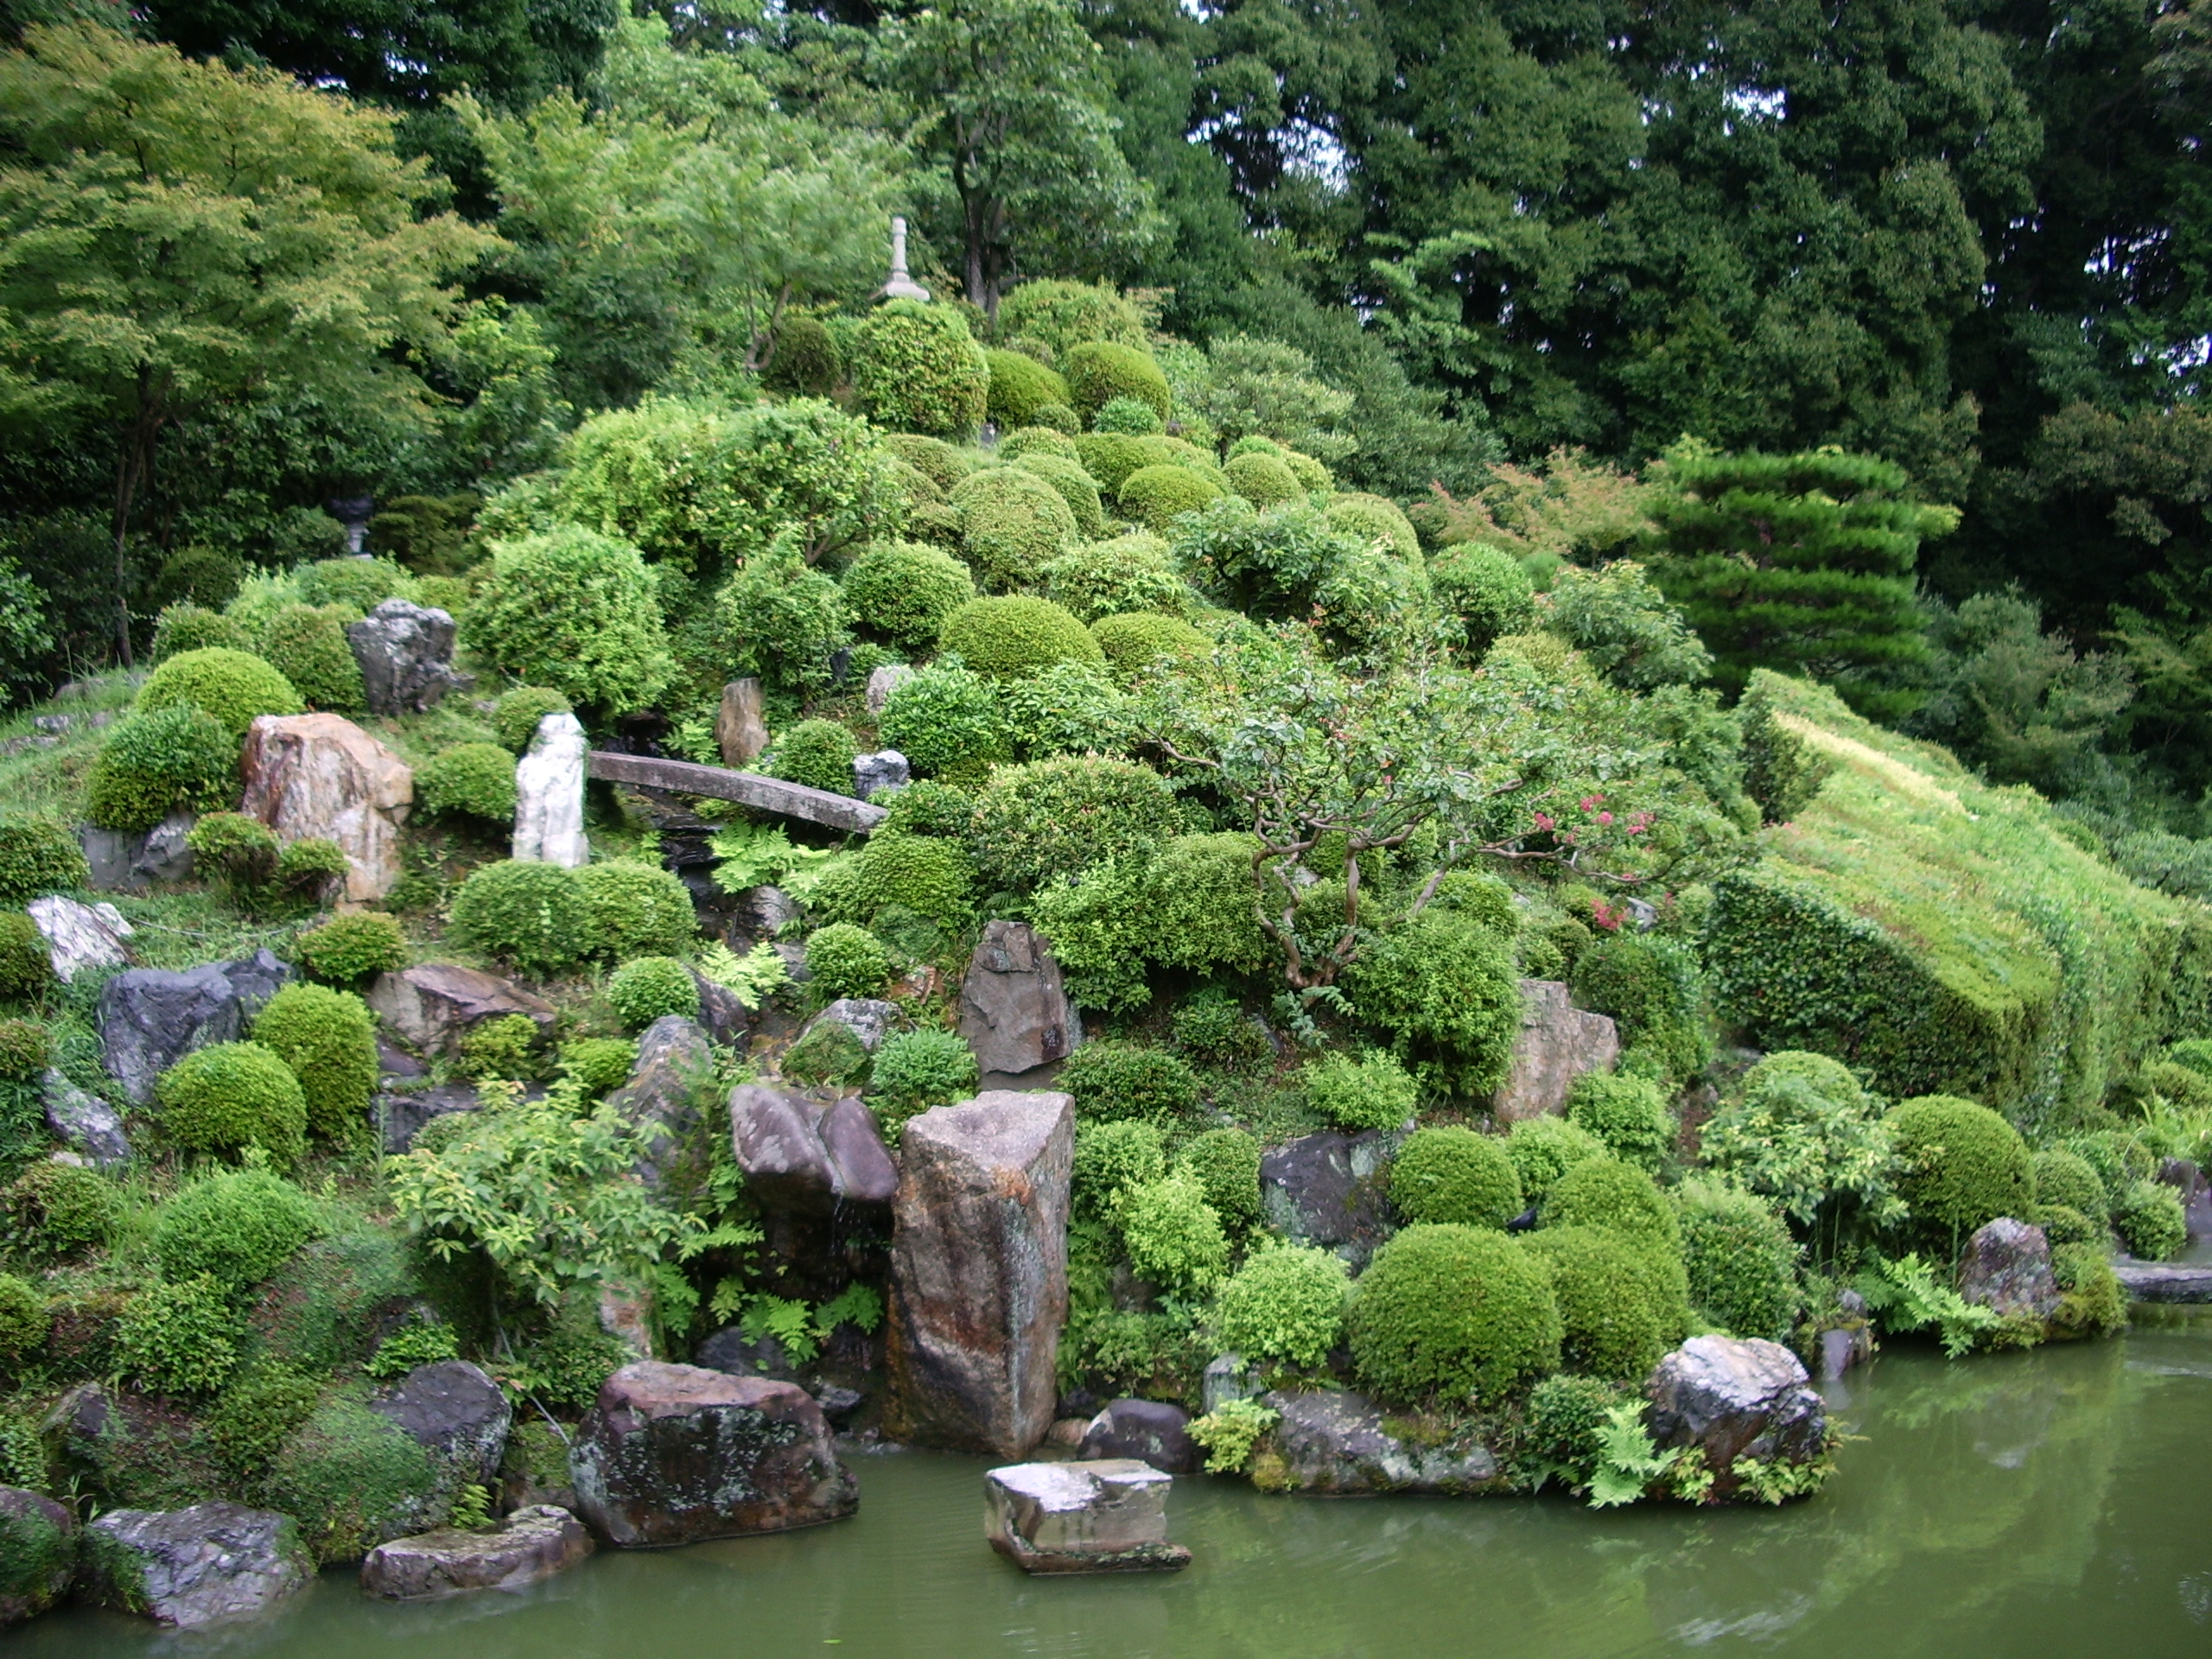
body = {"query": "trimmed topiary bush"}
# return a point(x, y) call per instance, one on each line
point(804, 361)
point(2064, 1177)
point(1130, 573)
point(1114, 1081)
point(1020, 386)
point(1057, 817)
point(1453, 1174)
point(637, 909)
point(2150, 1220)
point(358, 585)
point(652, 987)
point(926, 875)
point(601, 1064)
point(1075, 488)
point(236, 687)
point(1741, 1261)
point(1225, 1163)
point(52, 1212)
point(25, 966)
point(156, 764)
point(329, 1041)
point(1110, 457)
point(228, 1096)
point(779, 617)
point(1155, 496)
point(1613, 1321)
point(1172, 1235)
point(1487, 590)
point(1453, 1311)
point(903, 591)
point(575, 611)
point(1445, 989)
point(1013, 637)
point(306, 644)
point(531, 914)
point(347, 949)
point(816, 753)
point(1368, 1090)
point(1606, 1193)
point(236, 1228)
point(38, 856)
point(1112, 1159)
point(186, 627)
point(1264, 480)
point(917, 369)
point(1374, 518)
point(1062, 315)
point(514, 720)
point(943, 464)
point(473, 780)
point(847, 960)
point(914, 1070)
point(1628, 1115)
point(1012, 525)
point(1039, 440)
point(179, 1338)
point(945, 720)
point(1135, 644)
point(1959, 1165)
point(2092, 1302)
point(1285, 1303)
point(1130, 415)
point(1099, 371)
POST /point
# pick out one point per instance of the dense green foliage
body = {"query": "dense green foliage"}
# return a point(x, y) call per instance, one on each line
point(1613, 1319)
point(575, 611)
point(1453, 1310)
point(329, 1041)
point(233, 686)
point(1285, 1303)
point(476, 780)
point(647, 988)
point(229, 1096)
point(636, 908)
point(1453, 1174)
point(535, 915)
point(236, 1228)
point(816, 753)
point(1960, 1165)
point(1628, 1116)
point(347, 949)
point(1741, 1261)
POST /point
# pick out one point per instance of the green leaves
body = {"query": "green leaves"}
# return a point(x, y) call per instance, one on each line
point(1628, 1462)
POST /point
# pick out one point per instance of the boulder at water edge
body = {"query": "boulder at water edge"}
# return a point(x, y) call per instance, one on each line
point(1151, 1430)
point(318, 775)
point(38, 1554)
point(979, 1271)
point(431, 1006)
point(1331, 1191)
point(405, 652)
point(1333, 1442)
point(549, 794)
point(151, 1018)
point(1731, 1397)
point(189, 1567)
point(1015, 1009)
point(1109, 1516)
point(531, 1544)
point(1557, 1044)
point(671, 1455)
point(2006, 1268)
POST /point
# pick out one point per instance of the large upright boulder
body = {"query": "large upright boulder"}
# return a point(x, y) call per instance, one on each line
point(1332, 1190)
point(432, 1005)
point(151, 1018)
point(741, 726)
point(672, 1455)
point(979, 1284)
point(1015, 1009)
point(1733, 1397)
point(320, 775)
point(1558, 1042)
point(663, 1094)
point(38, 1554)
point(405, 652)
point(801, 1157)
point(188, 1567)
point(2006, 1268)
point(549, 794)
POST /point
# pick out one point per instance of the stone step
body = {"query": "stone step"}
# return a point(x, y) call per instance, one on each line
point(2152, 1281)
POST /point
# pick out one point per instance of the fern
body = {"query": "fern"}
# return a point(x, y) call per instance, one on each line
point(857, 1305)
point(759, 854)
point(1628, 1462)
point(753, 977)
point(789, 1320)
point(1909, 1296)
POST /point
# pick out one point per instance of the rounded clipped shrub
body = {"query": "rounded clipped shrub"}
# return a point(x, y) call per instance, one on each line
point(1130, 573)
point(1020, 386)
point(1628, 1115)
point(926, 875)
point(1454, 1312)
point(306, 644)
point(1453, 1174)
point(1099, 371)
point(472, 781)
point(236, 687)
point(1135, 644)
point(2064, 1177)
point(23, 1321)
point(1057, 817)
point(601, 1064)
point(51, 1211)
point(1225, 1163)
point(515, 717)
point(26, 1050)
point(1039, 440)
point(637, 909)
point(1488, 591)
point(2151, 1221)
point(1059, 417)
point(1075, 489)
point(1110, 457)
point(903, 591)
point(1155, 496)
point(347, 949)
point(1062, 315)
point(1172, 1235)
point(236, 1228)
point(1285, 1303)
point(1012, 525)
point(1612, 1323)
point(505, 1046)
point(329, 1041)
point(1112, 1159)
point(186, 627)
point(914, 1070)
point(1368, 1091)
point(804, 361)
point(531, 914)
point(1741, 1261)
point(1374, 518)
point(154, 764)
point(358, 585)
point(575, 611)
point(816, 753)
point(847, 961)
point(945, 720)
point(917, 369)
point(1445, 990)
point(652, 987)
point(1606, 1193)
point(926, 808)
point(228, 1096)
point(200, 575)
point(26, 966)
point(1959, 1165)
point(942, 464)
point(1015, 637)
point(1264, 480)
point(1116, 1082)
point(1130, 415)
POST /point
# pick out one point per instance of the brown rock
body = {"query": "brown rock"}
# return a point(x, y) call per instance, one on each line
point(2006, 1268)
point(1558, 1042)
point(1015, 1009)
point(671, 1455)
point(802, 1157)
point(740, 728)
point(979, 1285)
point(529, 1545)
point(319, 775)
point(430, 1006)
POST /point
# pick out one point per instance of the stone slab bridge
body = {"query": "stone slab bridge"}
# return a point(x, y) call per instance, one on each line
point(746, 788)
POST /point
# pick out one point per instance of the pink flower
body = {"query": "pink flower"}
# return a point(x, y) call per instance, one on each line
point(1605, 817)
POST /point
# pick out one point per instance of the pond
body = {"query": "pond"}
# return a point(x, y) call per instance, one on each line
point(2052, 1503)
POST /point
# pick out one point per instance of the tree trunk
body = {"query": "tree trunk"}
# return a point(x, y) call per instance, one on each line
point(132, 465)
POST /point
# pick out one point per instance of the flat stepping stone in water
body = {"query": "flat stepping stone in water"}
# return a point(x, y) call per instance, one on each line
point(531, 1544)
point(1106, 1515)
point(2151, 1282)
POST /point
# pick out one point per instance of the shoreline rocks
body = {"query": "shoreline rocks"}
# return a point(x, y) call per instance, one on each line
point(185, 1568)
point(38, 1554)
point(2006, 1268)
point(1733, 1397)
point(1336, 1443)
point(1101, 1515)
point(529, 1546)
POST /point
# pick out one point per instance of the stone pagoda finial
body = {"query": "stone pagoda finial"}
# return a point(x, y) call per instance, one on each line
point(901, 286)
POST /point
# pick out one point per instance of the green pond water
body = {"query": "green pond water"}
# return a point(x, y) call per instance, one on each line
point(2043, 1504)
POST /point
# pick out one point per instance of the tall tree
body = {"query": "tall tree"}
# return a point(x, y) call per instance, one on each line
point(175, 237)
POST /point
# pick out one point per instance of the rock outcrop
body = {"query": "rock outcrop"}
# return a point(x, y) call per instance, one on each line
point(1558, 1042)
point(1332, 1190)
point(979, 1285)
point(886, 770)
point(430, 1006)
point(663, 1094)
point(91, 1127)
point(1150, 1430)
point(1329, 1442)
point(741, 728)
point(405, 652)
point(1106, 1516)
point(1015, 1009)
point(672, 1455)
point(882, 682)
point(801, 1157)
point(185, 1568)
point(151, 1018)
point(38, 1554)
point(2006, 1268)
point(1731, 1397)
point(531, 1544)
point(456, 1413)
point(79, 935)
point(549, 794)
point(401, 1114)
point(320, 775)
point(870, 1019)
point(130, 861)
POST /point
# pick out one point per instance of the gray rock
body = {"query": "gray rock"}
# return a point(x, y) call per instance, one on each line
point(886, 770)
point(456, 1413)
point(549, 794)
point(81, 935)
point(130, 861)
point(432, 1005)
point(1329, 1442)
point(2006, 1268)
point(1227, 1377)
point(726, 1020)
point(1150, 1430)
point(530, 1545)
point(1843, 1346)
point(772, 909)
point(403, 1115)
point(882, 682)
point(1735, 1397)
point(1332, 1190)
point(185, 1568)
point(741, 728)
point(2150, 1281)
point(838, 1404)
point(405, 652)
point(396, 1063)
point(1015, 1009)
point(88, 1124)
point(800, 1157)
point(38, 1554)
point(2185, 1178)
point(1558, 1042)
point(151, 1018)
point(730, 1350)
point(1103, 1515)
point(674, 1064)
point(868, 1018)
